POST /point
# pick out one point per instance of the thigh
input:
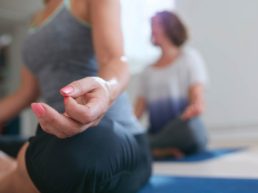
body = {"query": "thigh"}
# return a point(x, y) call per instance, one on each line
point(85, 162)
point(7, 165)
point(169, 136)
point(188, 136)
point(131, 178)
point(18, 181)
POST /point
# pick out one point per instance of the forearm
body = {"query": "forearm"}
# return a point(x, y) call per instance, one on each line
point(109, 44)
point(116, 73)
point(196, 95)
point(138, 113)
point(139, 107)
point(196, 102)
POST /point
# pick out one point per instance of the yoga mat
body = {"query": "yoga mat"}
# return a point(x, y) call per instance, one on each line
point(168, 184)
point(205, 155)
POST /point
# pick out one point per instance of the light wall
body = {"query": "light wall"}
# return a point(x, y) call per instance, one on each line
point(225, 31)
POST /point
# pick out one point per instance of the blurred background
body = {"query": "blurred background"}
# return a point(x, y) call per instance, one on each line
point(224, 32)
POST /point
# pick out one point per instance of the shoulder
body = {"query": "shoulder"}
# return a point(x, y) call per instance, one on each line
point(145, 73)
point(191, 53)
point(36, 18)
point(192, 57)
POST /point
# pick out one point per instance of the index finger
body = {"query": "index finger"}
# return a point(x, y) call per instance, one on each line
point(83, 113)
point(80, 87)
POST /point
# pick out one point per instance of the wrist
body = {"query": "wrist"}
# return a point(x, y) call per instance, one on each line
point(111, 86)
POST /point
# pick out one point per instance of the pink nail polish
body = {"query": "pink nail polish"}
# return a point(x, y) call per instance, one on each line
point(67, 90)
point(38, 109)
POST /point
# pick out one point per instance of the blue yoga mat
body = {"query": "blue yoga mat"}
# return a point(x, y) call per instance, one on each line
point(205, 155)
point(163, 184)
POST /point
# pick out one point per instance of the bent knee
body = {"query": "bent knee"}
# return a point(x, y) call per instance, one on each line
point(21, 166)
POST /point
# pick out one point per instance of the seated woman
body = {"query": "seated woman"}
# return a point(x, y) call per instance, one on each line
point(88, 140)
point(171, 90)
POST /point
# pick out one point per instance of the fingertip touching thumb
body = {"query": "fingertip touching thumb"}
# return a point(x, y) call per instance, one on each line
point(67, 91)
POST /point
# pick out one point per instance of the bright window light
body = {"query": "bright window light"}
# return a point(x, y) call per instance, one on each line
point(153, 6)
point(137, 30)
point(5, 40)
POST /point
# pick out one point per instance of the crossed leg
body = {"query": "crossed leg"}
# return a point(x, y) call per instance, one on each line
point(14, 177)
point(7, 165)
point(160, 153)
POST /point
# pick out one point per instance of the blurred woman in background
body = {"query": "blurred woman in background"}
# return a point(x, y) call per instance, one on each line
point(88, 140)
point(171, 90)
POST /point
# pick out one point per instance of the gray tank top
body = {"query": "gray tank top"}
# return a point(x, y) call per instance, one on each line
point(61, 51)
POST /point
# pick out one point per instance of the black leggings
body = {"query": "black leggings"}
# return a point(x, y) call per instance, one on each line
point(103, 159)
point(188, 136)
point(11, 144)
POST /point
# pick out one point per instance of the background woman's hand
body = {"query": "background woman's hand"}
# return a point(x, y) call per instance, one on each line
point(191, 111)
point(86, 102)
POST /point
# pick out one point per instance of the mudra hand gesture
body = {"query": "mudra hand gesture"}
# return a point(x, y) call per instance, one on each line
point(86, 102)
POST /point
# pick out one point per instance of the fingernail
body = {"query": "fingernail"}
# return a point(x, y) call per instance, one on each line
point(67, 90)
point(38, 109)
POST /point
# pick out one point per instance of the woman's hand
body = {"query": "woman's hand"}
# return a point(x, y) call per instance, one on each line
point(86, 102)
point(191, 111)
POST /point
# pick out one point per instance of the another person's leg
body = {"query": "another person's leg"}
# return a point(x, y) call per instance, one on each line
point(103, 159)
point(16, 180)
point(7, 165)
point(178, 138)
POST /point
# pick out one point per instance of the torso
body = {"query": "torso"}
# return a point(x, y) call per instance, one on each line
point(166, 90)
point(79, 9)
point(59, 51)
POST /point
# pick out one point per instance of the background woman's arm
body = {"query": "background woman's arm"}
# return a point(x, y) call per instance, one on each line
point(26, 93)
point(139, 107)
point(196, 102)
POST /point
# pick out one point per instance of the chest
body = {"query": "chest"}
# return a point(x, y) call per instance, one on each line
point(169, 82)
point(62, 43)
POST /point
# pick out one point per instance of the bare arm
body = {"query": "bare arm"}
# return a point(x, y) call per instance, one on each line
point(196, 106)
point(26, 93)
point(108, 43)
point(139, 107)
